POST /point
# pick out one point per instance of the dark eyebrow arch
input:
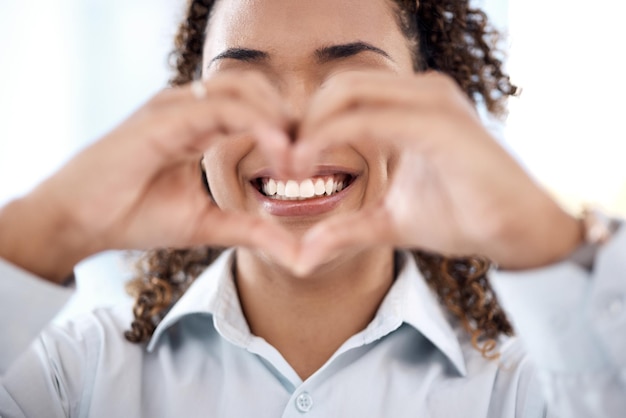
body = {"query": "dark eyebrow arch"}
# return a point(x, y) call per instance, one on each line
point(241, 54)
point(323, 54)
point(335, 52)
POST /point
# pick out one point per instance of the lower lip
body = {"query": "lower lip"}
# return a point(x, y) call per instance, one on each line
point(308, 207)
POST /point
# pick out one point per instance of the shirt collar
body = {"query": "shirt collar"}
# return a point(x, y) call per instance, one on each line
point(210, 290)
point(422, 311)
point(409, 300)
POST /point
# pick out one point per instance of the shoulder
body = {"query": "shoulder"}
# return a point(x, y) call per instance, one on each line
point(92, 334)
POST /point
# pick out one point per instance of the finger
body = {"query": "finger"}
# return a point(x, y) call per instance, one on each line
point(233, 117)
point(269, 134)
point(187, 130)
point(368, 227)
point(355, 90)
point(248, 86)
point(406, 128)
point(255, 89)
point(276, 147)
point(252, 88)
point(176, 125)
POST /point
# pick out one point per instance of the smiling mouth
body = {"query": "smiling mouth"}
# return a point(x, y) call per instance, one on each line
point(311, 188)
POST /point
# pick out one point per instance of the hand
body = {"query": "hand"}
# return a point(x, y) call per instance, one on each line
point(140, 186)
point(454, 189)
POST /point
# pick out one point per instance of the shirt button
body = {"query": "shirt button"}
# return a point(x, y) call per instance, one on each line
point(304, 402)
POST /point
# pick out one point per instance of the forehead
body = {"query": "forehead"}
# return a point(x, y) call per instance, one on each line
point(301, 25)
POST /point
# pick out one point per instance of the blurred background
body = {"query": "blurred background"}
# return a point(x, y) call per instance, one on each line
point(70, 70)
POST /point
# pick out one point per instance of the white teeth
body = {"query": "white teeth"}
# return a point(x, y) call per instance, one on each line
point(307, 189)
point(271, 187)
point(319, 187)
point(329, 187)
point(292, 189)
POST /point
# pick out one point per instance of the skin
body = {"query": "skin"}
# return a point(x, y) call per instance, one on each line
point(429, 175)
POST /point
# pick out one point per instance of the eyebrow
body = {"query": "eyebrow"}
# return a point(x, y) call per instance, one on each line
point(242, 54)
point(336, 52)
point(323, 55)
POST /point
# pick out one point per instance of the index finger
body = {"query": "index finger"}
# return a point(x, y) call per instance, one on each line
point(347, 92)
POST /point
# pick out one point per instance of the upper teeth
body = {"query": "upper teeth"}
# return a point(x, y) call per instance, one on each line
point(291, 189)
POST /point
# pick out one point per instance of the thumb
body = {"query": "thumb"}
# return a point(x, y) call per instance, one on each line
point(228, 229)
point(366, 228)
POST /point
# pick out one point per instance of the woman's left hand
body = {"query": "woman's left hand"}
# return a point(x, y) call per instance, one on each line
point(454, 189)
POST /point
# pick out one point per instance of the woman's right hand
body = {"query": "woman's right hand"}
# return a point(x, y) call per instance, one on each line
point(140, 186)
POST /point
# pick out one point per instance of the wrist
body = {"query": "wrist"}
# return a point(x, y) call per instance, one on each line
point(36, 238)
point(543, 240)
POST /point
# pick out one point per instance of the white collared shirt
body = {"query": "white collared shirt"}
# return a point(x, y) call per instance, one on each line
point(410, 361)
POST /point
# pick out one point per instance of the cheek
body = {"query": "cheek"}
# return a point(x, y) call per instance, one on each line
point(381, 161)
point(221, 175)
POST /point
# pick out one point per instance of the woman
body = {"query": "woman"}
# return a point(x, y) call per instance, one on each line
point(331, 135)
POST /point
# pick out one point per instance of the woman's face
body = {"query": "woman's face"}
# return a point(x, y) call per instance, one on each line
point(302, 45)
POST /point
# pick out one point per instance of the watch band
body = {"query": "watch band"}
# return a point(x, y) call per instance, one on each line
point(598, 228)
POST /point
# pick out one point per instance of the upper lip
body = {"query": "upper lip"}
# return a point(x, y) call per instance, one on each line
point(322, 170)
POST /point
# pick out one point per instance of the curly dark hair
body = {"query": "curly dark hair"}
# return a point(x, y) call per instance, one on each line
point(448, 36)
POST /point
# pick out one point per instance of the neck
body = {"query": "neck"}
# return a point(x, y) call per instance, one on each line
point(308, 318)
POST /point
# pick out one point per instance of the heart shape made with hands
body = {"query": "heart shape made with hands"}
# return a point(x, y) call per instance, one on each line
point(440, 195)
